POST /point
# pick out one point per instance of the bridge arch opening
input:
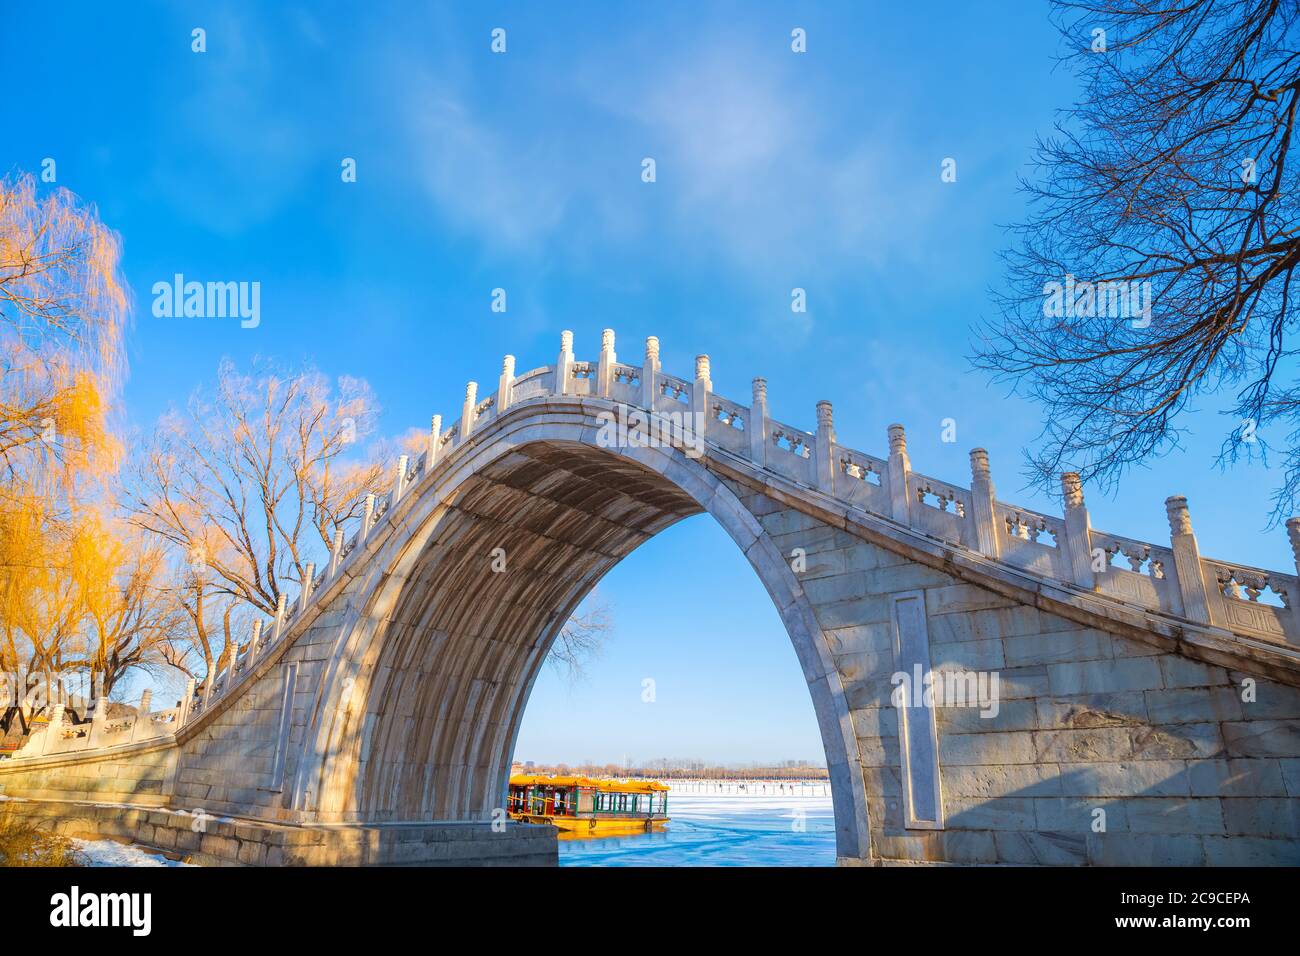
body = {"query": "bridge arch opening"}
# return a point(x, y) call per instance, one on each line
point(420, 719)
point(695, 671)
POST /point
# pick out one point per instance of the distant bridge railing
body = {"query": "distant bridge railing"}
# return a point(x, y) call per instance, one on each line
point(1171, 578)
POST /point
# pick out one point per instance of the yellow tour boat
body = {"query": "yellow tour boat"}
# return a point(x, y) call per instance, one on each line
point(582, 806)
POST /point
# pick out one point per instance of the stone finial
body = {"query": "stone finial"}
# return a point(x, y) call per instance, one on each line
point(146, 700)
point(1180, 519)
point(471, 391)
point(1072, 489)
point(435, 426)
point(508, 365)
point(652, 348)
point(257, 633)
point(760, 389)
point(979, 464)
point(897, 440)
point(566, 342)
point(824, 414)
point(701, 366)
point(607, 340)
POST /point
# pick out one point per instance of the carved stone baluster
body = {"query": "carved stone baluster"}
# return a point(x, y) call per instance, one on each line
point(506, 384)
point(309, 578)
point(367, 520)
point(254, 644)
point(605, 367)
point(186, 704)
point(1293, 535)
point(1078, 532)
point(435, 442)
point(701, 396)
point(757, 423)
point(1201, 599)
point(650, 373)
point(467, 410)
point(336, 555)
point(900, 467)
point(277, 626)
point(54, 729)
point(824, 442)
point(564, 364)
point(985, 536)
point(399, 481)
point(210, 682)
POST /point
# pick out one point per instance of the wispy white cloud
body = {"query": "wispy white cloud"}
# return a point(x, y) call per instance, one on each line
point(754, 174)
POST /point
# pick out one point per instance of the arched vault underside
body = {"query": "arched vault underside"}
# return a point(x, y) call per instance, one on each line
point(420, 720)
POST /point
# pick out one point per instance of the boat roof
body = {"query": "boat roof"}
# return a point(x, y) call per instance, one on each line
point(608, 786)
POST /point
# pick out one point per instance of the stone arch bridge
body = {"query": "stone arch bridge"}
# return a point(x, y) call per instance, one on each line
point(1146, 705)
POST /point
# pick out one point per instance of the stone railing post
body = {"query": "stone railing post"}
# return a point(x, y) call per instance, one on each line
point(605, 367)
point(186, 704)
point(564, 364)
point(367, 519)
point(467, 410)
point(757, 422)
point(983, 509)
point(1293, 535)
point(1198, 602)
point(701, 396)
point(435, 442)
point(336, 555)
point(54, 729)
point(309, 578)
point(209, 682)
point(506, 384)
point(900, 467)
point(399, 480)
point(253, 644)
point(650, 373)
point(824, 446)
point(1078, 531)
point(277, 624)
point(146, 700)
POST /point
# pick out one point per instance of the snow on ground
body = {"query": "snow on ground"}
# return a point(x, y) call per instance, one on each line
point(112, 853)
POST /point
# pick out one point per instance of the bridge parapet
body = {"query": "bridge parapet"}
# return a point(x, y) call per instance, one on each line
point(1246, 603)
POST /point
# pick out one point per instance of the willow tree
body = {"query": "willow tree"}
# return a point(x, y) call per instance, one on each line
point(63, 310)
point(1169, 185)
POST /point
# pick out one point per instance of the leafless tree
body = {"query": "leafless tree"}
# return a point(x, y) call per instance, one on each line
point(247, 486)
point(1170, 178)
point(581, 640)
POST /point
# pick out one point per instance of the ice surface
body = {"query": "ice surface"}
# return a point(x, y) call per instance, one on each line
point(721, 830)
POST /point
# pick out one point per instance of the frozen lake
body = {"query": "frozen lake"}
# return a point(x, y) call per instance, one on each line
point(727, 829)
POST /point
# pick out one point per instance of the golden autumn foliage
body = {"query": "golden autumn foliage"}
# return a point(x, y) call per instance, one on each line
point(78, 589)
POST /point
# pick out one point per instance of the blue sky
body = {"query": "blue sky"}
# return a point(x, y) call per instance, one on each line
point(523, 171)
